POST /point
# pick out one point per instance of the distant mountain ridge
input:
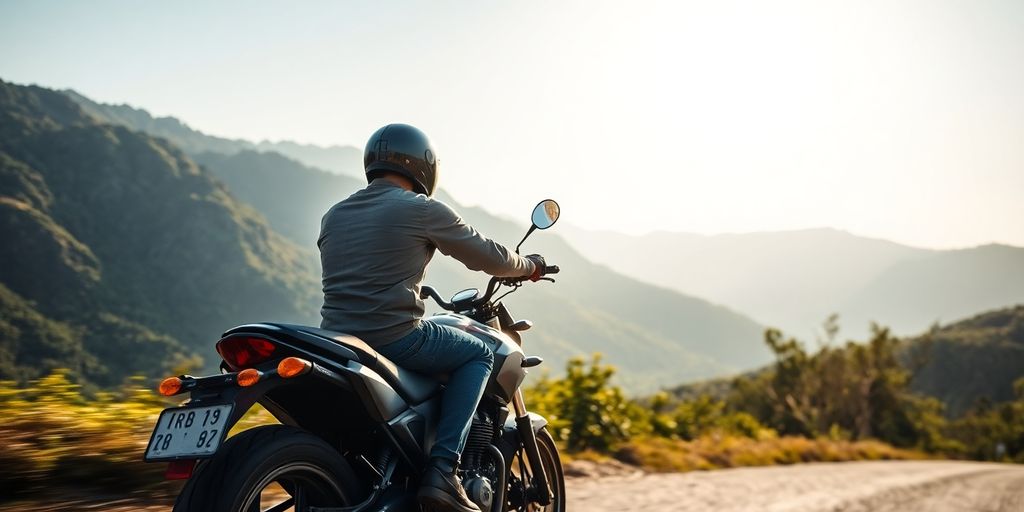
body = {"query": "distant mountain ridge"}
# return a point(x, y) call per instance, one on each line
point(346, 160)
point(795, 279)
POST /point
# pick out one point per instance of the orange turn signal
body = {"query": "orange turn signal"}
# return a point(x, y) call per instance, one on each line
point(293, 367)
point(248, 377)
point(170, 386)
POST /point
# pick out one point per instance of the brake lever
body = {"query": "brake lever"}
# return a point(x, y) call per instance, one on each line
point(547, 279)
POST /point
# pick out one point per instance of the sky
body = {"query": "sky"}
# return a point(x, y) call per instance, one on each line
point(901, 120)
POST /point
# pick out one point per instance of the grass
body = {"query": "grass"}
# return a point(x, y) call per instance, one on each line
point(658, 454)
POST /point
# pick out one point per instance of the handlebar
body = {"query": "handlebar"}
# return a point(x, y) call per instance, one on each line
point(492, 286)
point(430, 292)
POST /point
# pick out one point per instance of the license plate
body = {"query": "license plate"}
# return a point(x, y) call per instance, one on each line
point(188, 432)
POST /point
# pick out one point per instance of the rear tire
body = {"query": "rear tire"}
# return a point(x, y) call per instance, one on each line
point(308, 468)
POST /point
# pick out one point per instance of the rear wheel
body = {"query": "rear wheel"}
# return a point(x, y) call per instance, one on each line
point(519, 494)
point(271, 468)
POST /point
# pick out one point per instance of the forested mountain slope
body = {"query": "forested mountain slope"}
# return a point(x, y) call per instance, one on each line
point(122, 255)
point(973, 360)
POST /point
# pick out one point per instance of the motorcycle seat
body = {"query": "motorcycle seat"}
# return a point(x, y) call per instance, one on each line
point(413, 387)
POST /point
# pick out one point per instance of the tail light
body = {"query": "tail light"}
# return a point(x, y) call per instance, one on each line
point(245, 351)
point(170, 386)
point(248, 377)
point(293, 367)
point(180, 469)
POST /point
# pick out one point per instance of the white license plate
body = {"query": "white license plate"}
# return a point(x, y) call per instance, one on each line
point(188, 432)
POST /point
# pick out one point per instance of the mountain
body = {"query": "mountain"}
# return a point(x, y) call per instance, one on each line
point(795, 279)
point(346, 160)
point(972, 360)
point(944, 286)
point(292, 196)
point(123, 256)
point(175, 131)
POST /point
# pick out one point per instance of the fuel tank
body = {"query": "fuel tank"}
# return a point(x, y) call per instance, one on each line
point(508, 371)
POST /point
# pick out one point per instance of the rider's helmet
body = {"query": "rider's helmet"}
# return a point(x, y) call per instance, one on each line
point(405, 150)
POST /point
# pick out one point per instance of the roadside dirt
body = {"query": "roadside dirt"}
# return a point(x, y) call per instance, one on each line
point(917, 486)
point(933, 486)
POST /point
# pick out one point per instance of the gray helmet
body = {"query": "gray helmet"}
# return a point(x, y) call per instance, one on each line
point(405, 150)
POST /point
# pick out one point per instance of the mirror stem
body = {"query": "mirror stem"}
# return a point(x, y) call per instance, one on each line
point(533, 227)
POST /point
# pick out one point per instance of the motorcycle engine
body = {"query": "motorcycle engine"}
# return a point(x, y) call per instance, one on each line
point(476, 463)
point(480, 491)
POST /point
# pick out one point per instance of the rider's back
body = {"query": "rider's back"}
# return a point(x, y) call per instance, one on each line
point(374, 248)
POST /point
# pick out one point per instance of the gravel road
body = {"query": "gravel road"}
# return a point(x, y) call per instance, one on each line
point(933, 486)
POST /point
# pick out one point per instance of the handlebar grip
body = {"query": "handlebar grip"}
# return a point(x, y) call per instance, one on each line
point(551, 269)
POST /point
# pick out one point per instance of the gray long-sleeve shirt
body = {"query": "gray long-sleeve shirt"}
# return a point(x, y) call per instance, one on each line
point(374, 249)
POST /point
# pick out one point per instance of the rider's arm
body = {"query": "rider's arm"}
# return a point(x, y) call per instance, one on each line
point(453, 237)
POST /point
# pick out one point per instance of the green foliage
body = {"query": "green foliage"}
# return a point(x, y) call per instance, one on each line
point(860, 391)
point(990, 432)
point(31, 345)
point(589, 414)
point(976, 358)
point(583, 409)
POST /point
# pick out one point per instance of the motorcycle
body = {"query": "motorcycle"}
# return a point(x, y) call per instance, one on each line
point(355, 428)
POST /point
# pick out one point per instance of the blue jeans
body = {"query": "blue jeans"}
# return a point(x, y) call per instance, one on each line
point(438, 349)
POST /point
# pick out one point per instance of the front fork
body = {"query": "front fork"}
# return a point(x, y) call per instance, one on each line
point(529, 440)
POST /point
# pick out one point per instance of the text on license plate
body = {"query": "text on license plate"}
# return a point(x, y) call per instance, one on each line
point(188, 432)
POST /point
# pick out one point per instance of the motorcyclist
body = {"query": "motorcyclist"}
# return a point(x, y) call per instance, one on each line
point(374, 248)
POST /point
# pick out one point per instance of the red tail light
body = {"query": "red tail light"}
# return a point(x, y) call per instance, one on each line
point(180, 469)
point(245, 351)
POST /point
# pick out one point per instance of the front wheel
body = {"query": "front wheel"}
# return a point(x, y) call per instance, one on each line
point(519, 492)
point(274, 467)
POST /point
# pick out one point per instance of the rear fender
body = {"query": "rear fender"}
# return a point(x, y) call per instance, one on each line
point(273, 393)
point(337, 401)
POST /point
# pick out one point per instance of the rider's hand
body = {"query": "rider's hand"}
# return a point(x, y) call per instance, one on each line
point(538, 266)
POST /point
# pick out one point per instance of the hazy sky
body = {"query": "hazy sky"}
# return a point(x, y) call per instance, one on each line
point(895, 119)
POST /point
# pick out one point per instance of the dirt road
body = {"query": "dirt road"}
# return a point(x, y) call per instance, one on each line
point(933, 486)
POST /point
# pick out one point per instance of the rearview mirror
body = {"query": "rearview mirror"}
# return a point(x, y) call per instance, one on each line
point(545, 214)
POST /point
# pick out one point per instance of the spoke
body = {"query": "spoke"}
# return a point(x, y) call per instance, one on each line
point(299, 497)
point(281, 507)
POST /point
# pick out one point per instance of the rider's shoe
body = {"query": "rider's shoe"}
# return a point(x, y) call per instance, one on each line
point(441, 490)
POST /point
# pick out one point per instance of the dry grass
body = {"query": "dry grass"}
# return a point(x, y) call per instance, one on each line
point(54, 436)
point(723, 451)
